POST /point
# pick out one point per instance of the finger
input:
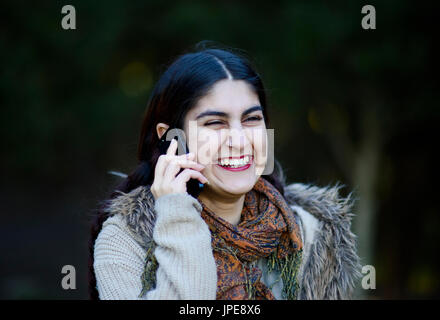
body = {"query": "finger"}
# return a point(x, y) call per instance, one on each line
point(190, 174)
point(188, 156)
point(184, 163)
point(163, 160)
point(171, 151)
point(174, 166)
point(170, 172)
point(161, 165)
point(183, 159)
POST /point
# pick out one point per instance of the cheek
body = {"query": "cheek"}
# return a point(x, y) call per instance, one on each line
point(259, 142)
point(205, 145)
point(257, 137)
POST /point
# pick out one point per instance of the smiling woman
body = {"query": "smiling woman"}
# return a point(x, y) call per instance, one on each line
point(247, 235)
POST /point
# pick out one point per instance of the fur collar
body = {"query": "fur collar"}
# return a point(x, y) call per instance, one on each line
point(332, 267)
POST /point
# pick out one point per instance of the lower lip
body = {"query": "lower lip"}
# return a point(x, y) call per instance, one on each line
point(237, 169)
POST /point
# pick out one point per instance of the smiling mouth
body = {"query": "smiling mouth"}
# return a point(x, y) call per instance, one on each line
point(235, 164)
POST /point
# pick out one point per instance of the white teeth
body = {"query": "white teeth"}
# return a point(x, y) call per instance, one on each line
point(235, 163)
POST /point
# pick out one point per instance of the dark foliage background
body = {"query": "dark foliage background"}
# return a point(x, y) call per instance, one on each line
point(347, 104)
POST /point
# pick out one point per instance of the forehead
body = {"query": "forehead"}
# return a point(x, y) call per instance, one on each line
point(229, 96)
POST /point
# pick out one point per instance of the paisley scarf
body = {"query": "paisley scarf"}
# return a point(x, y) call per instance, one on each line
point(267, 229)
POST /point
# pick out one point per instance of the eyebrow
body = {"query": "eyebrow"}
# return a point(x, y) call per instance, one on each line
point(223, 114)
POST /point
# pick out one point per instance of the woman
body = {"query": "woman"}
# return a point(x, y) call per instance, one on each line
point(247, 235)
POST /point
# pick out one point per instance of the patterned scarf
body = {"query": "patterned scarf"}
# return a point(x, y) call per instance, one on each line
point(267, 229)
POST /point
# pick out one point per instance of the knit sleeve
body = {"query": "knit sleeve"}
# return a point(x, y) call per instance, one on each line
point(184, 253)
point(187, 268)
point(118, 262)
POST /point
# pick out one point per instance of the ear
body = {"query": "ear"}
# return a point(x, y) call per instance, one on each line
point(161, 128)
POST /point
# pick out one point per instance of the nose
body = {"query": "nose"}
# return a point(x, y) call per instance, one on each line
point(236, 139)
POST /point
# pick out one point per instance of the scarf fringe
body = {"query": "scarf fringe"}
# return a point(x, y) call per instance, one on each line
point(148, 277)
point(288, 267)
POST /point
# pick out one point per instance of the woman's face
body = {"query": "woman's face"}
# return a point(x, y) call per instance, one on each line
point(227, 132)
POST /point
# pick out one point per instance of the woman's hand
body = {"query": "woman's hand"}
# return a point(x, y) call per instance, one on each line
point(168, 166)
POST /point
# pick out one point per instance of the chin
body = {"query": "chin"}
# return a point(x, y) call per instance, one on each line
point(236, 183)
point(238, 187)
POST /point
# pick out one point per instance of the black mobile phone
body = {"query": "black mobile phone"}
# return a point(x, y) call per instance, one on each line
point(194, 187)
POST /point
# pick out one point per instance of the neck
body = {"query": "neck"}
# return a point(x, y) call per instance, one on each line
point(228, 208)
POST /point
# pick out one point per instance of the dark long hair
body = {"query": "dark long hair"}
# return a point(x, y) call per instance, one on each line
point(188, 78)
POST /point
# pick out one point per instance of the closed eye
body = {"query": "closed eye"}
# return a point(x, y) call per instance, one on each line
point(213, 123)
point(254, 118)
point(249, 119)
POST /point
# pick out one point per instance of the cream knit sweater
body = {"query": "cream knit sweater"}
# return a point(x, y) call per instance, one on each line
point(187, 268)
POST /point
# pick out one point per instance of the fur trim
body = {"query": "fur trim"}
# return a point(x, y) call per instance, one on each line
point(137, 207)
point(332, 267)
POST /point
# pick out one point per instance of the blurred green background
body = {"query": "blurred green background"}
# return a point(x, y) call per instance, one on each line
point(347, 104)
